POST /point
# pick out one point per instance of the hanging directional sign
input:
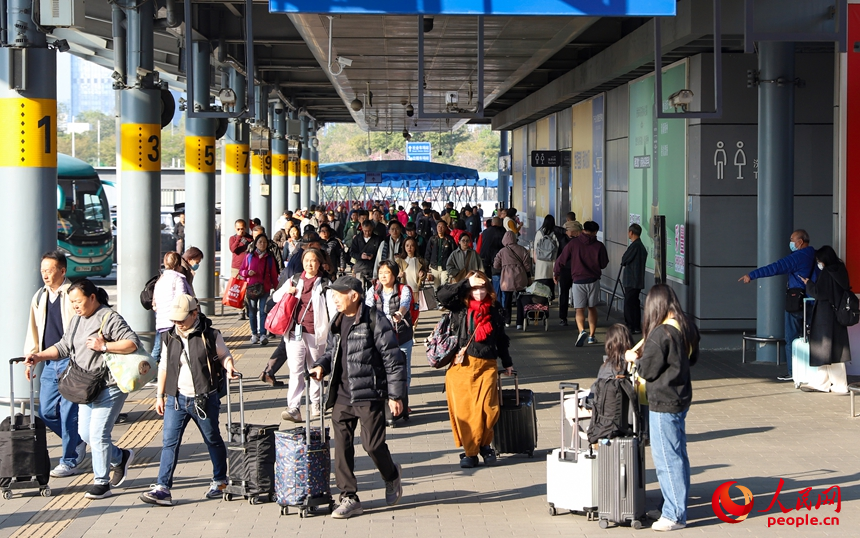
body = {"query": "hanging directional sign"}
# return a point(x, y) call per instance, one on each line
point(605, 8)
point(546, 158)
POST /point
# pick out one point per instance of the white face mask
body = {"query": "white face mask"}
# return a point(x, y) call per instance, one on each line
point(821, 266)
point(479, 294)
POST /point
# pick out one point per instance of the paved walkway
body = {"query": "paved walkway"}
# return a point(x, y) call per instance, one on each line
point(743, 426)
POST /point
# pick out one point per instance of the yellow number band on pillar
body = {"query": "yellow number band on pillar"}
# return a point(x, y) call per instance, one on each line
point(279, 165)
point(200, 154)
point(29, 134)
point(237, 157)
point(140, 147)
point(258, 164)
point(306, 168)
point(294, 168)
point(315, 168)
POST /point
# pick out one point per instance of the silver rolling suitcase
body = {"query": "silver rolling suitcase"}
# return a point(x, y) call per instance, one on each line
point(621, 479)
point(571, 471)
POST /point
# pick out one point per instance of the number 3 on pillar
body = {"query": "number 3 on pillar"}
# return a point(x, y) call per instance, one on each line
point(141, 147)
point(29, 135)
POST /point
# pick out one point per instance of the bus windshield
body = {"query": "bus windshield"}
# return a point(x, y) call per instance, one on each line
point(85, 216)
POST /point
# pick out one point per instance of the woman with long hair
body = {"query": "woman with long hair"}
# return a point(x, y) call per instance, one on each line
point(259, 267)
point(671, 346)
point(95, 330)
point(308, 329)
point(829, 348)
point(471, 382)
point(413, 268)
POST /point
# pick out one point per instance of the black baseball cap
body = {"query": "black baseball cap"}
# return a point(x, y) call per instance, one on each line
point(346, 284)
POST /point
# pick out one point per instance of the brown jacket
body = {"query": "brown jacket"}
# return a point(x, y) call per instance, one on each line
point(515, 264)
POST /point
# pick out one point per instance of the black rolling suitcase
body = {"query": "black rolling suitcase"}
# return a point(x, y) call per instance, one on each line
point(24, 460)
point(250, 457)
point(621, 475)
point(516, 430)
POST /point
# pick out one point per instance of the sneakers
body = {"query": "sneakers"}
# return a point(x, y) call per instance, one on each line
point(592, 340)
point(62, 470)
point(804, 388)
point(489, 455)
point(785, 378)
point(347, 508)
point(216, 490)
point(664, 525)
point(119, 472)
point(254, 339)
point(81, 452)
point(563, 323)
point(581, 338)
point(292, 414)
point(315, 410)
point(394, 489)
point(468, 462)
point(519, 327)
point(98, 491)
point(264, 340)
point(157, 495)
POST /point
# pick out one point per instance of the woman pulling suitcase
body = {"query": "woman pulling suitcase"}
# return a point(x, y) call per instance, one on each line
point(471, 382)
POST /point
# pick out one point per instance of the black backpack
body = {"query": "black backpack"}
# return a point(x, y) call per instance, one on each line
point(615, 409)
point(148, 292)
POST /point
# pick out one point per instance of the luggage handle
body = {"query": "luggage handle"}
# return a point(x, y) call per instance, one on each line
point(805, 329)
point(562, 388)
point(516, 386)
point(241, 410)
point(12, 394)
point(307, 377)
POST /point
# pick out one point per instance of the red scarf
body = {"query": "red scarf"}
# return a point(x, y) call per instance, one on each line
point(479, 312)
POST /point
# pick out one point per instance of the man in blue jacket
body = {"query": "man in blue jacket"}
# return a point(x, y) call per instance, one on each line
point(799, 264)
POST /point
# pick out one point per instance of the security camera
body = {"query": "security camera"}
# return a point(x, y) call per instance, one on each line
point(227, 97)
point(681, 99)
point(410, 110)
point(279, 108)
point(60, 45)
point(343, 61)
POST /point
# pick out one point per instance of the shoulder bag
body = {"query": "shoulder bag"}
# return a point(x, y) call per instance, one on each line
point(794, 296)
point(78, 385)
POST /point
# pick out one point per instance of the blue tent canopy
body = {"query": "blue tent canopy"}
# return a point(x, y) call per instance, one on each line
point(400, 175)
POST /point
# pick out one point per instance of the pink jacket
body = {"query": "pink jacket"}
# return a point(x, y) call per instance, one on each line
point(515, 264)
point(403, 218)
point(265, 270)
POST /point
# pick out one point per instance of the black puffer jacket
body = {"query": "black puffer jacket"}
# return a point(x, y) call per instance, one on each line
point(375, 366)
point(497, 345)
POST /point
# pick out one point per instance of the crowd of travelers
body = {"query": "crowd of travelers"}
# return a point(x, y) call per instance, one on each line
point(355, 278)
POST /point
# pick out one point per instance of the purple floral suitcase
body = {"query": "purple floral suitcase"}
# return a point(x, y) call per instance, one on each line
point(303, 465)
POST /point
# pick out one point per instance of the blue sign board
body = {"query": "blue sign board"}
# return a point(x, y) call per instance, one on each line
point(418, 151)
point(594, 8)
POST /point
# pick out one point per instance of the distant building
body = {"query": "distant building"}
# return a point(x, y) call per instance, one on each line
point(92, 88)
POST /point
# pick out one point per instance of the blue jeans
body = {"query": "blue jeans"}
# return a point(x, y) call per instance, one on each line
point(95, 423)
point(257, 309)
point(669, 452)
point(156, 345)
point(177, 412)
point(58, 413)
point(497, 286)
point(793, 330)
point(407, 351)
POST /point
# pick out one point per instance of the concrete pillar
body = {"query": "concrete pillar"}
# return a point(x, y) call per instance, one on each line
point(316, 193)
point(261, 164)
point(305, 166)
point(28, 179)
point(234, 175)
point(775, 184)
point(139, 172)
point(200, 178)
point(504, 176)
point(293, 179)
point(279, 167)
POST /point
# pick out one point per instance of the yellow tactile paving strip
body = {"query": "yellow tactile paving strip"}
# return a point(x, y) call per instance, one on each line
point(61, 510)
